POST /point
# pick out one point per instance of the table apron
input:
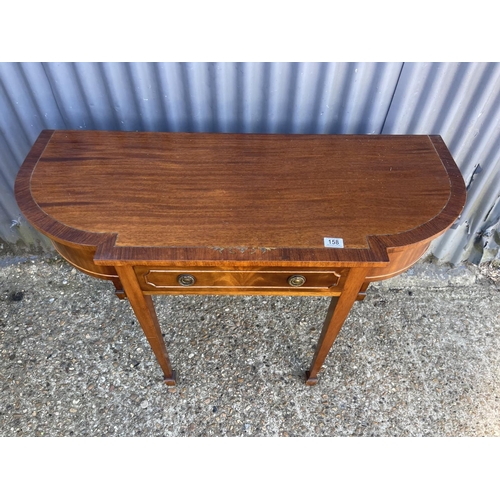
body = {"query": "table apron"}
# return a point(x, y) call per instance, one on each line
point(158, 280)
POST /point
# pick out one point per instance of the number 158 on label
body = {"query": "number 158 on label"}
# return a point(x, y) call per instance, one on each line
point(334, 242)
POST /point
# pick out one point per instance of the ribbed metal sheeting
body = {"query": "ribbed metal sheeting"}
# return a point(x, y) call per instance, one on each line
point(461, 102)
point(458, 101)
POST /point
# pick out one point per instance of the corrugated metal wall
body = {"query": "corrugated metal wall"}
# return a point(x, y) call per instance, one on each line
point(459, 101)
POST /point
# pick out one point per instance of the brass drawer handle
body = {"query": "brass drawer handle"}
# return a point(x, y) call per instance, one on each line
point(186, 279)
point(296, 280)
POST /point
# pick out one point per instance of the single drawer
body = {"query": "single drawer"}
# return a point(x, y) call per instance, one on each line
point(279, 280)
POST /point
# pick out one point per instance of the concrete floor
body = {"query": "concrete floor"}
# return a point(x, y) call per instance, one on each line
point(419, 357)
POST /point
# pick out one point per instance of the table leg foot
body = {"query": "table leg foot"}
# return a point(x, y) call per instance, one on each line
point(310, 381)
point(170, 381)
point(145, 312)
point(335, 317)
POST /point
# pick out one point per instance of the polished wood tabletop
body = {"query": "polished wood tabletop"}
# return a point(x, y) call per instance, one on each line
point(194, 213)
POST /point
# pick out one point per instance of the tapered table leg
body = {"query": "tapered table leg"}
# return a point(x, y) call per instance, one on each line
point(146, 315)
point(337, 314)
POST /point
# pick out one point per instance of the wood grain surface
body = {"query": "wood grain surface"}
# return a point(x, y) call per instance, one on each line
point(242, 197)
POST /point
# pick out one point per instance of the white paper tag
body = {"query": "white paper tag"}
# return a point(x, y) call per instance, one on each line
point(334, 242)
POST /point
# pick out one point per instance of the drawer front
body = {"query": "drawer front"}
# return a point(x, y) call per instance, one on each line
point(187, 280)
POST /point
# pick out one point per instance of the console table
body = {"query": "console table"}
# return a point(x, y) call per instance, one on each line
point(186, 213)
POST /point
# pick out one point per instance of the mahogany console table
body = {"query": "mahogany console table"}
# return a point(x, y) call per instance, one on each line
point(182, 213)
